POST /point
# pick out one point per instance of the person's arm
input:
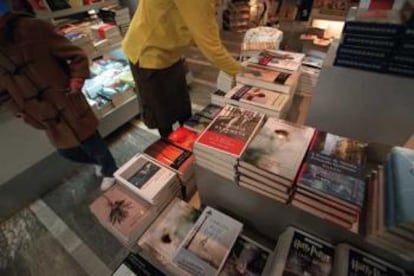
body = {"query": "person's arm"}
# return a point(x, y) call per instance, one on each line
point(200, 18)
point(64, 50)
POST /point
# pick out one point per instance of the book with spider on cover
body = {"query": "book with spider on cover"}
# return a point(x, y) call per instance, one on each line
point(123, 214)
point(149, 180)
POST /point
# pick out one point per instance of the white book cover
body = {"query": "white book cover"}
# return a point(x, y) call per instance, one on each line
point(205, 249)
point(278, 59)
point(145, 177)
point(279, 148)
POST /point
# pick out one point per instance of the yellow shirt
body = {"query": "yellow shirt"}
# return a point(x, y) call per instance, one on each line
point(161, 30)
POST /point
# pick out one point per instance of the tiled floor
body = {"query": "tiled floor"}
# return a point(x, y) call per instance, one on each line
point(57, 235)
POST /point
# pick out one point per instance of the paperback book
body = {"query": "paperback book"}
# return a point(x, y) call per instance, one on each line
point(218, 96)
point(278, 59)
point(278, 148)
point(197, 123)
point(183, 138)
point(299, 253)
point(135, 265)
point(147, 179)
point(208, 244)
point(231, 131)
point(210, 111)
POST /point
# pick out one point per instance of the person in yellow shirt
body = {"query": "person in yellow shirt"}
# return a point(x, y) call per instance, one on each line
point(159, 33)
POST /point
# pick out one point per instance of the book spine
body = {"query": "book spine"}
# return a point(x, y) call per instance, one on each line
point(360, 64)
point(362, 52)
point(368, 41)
point(367, 28)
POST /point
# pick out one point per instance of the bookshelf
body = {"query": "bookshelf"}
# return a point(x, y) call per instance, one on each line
point(72, 11)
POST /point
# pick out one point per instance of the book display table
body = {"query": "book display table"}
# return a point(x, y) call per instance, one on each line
point(270, 218)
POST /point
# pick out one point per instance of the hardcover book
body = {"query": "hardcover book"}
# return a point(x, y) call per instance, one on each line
point(299, 253)
point(279, 148)
point(246, 258)
point(120, 212)
point(352, 261)
point(145, 178)
point(231, 130)
point(208, 244)
point(271, 79)
point(184, 138)
point(165, 235)
point(168, 154)
point(278, 59)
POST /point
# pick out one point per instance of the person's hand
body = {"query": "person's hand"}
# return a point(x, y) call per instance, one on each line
point(76, 85)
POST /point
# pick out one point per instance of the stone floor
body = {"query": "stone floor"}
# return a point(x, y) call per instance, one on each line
point(57, 235)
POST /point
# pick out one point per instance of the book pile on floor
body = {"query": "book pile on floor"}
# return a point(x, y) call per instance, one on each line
point(117, 15)
point(390, 216)
point(223, 142)
point(309, 75)
point(200, 120)
point(331, 183)
point(378, 40)
point(272, 160)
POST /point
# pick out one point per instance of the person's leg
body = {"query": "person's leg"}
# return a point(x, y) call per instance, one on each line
point(76, 154)
point(165, 131)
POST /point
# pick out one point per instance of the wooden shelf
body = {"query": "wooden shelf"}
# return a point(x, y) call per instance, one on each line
point(68, 12)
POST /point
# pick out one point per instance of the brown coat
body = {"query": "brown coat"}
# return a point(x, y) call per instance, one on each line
point(36, 65)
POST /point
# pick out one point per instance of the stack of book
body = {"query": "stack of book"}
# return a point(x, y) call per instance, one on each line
point(278, 59)
point(124, 214)
point(267, 102)
point(271, 162)
point(300, 253)
point(107, 31)
point(331, 183)
point(378, 40)
point(200, 120)
point(309, 75)
point(223, 142)
point(237, 16)
point(149, 180)
point(389, 212)
point(117, 15)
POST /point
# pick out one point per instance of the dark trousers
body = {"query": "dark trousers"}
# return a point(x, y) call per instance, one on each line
point(93, 150)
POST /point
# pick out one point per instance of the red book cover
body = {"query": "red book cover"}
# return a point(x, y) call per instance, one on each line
point(168, 154)
point(231, 130)
point(184, 138)
point(381, 4)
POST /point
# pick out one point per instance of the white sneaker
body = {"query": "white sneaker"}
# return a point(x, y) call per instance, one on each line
point(98, 171)
point(107, 183)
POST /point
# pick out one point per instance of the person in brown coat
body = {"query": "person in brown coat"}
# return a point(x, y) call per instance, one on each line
point(43, 73)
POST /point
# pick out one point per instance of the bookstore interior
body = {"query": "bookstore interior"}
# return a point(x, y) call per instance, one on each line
point(301, 164)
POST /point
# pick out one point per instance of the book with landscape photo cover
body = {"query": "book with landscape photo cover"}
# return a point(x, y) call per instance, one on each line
point(184, 138)
point(168, 231)
point(278, 59)
point(208, 244)
point(335, 166)
point(119, 211)
point(301, 254)
point(352, 261)
point(246, 258)
point(279, 148)
point(231, 130)
point(258, 97)
point(168, 154)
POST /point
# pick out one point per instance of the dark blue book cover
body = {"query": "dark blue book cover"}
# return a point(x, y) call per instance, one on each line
point(389, 199)
point(352, 62)
point(371, 28)
point(364, 52)
point(371, 41)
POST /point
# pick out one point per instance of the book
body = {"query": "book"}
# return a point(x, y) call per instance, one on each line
point(335, 166)
point(183, 138)
point(263, 190)
point(363, 52)
point(122, 213)
point(369, 41)
point(217, 97)
point(352, 261)
point(274, 80)
point(312, 61)
point(135, 265)
point(261, 180)
point(246, 258)
point(164, 236)
point(208, 244)
point(279, 148)
point(278, 59)
point(231, 131)
point(197, 123)
point(210, 111)
point(299, 253)
point(371, 65)
point(146, 178)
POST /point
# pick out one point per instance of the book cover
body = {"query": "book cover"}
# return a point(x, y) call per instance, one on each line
point(184, 138)
point(254, 72)
point(210, 111)
point(246, 258)
point(165, 235)
point(145, 177)
point(312, 61)
point(206, 247)
point(168, 154)
point(279, 148)
point(368, 41)
point(352, 261)
point(278, 59)
point(119, 211)
point(135, 265)
point(197, 123)
point(231, 130)
point(299, 253)
point(402, 162)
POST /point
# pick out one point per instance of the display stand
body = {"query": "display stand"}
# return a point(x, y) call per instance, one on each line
point(271, 218)
point(363, 105)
